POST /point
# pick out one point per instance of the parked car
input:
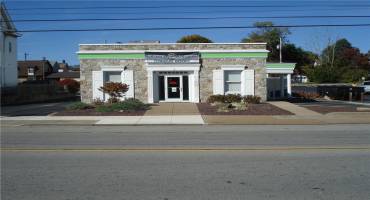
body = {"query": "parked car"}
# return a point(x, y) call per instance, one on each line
point(366, 85)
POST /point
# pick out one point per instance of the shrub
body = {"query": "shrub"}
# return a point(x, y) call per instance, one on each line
point(104, 108)
point(216, 98)
point(98, 102)
point(72, 85)
point(233, 98)
point(229, 98)
point(79, 106)
point(115, 90)
point(127, 105)
point(252, 99)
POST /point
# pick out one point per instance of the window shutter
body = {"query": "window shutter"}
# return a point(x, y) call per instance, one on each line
point(218, 82)
point(249, 82)
point(128, 78)
point(97, 82)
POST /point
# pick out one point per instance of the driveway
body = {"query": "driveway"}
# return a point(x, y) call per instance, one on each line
point(40, 109)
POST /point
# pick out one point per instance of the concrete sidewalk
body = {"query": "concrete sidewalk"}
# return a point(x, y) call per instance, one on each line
point(104, 120)
point(161, 109)
point(181, 114)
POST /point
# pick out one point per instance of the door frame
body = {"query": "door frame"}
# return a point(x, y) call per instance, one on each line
point(166, 99)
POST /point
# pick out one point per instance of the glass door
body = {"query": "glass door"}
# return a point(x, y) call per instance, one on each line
point(173, 88)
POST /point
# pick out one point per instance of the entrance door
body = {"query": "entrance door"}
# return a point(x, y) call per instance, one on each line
point(173, 88)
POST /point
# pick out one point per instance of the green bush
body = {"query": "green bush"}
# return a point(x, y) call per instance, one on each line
point(79, 106)
point(229, 98)
point(104, 108)
point(252, 99)
point(216, 98)
point(127, 105)
point(233, 98)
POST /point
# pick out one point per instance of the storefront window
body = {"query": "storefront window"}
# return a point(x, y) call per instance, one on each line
point(232, 81)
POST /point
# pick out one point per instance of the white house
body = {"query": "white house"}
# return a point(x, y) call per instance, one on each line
point(8, 47)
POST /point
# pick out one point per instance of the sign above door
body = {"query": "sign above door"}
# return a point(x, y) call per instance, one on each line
point(172, 57)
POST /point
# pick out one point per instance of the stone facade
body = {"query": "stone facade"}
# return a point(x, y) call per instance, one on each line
point(206, 79)
point(140, 72)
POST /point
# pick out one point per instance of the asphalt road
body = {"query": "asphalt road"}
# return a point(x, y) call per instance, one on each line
point(186, 162)
point(39, 109)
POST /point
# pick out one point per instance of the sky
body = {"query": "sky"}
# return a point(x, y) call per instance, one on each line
point(64, 45)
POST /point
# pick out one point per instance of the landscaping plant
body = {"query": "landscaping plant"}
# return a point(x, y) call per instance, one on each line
point(114, 90)
point(79, 106)
point(126, 105)
point(71, 85)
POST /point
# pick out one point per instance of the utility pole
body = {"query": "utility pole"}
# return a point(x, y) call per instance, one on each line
point(43, 68)
point(25, 56)
point(280, 48)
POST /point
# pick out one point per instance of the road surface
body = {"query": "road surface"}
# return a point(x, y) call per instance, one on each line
point(186, 162)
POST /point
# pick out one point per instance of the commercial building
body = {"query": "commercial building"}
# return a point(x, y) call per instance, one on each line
point(182, 72)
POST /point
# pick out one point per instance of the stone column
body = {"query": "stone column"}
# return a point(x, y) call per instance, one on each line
point(150, 86)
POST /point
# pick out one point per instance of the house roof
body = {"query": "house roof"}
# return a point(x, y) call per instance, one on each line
point(7, 26)
point(64, 75)
point(37, 64)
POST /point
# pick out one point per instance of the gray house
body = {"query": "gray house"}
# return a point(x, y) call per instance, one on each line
point(182, 72)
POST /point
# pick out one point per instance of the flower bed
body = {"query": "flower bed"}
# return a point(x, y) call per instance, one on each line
point(251, 109)
point(129, 107)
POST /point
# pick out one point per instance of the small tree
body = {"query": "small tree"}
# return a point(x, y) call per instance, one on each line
point(115, 90)
point(194, 39)
point(71, 85)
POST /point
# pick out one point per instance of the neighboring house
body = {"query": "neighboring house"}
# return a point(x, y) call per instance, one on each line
point(59, 67)
point(55, 65)
point(65, 75)
point(8, 50)
point(179, 72)
point(34, 70)
point(299, 79)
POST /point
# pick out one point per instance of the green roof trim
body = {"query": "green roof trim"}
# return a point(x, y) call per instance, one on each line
point(112, 56)
point(233, 55)
point(280, 65)
point(142, 55)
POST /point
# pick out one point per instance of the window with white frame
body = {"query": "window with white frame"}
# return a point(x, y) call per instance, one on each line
point(31, 71)
point(112, 76)
point(232, 81)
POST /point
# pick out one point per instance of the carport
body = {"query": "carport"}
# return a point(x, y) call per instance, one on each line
point(279, 80)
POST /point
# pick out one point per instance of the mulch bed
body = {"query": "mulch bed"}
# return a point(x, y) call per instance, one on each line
point(92, 112)
point(330, 109)
point(253, 109)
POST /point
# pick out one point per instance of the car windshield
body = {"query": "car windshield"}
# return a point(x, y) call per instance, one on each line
point(367, 83)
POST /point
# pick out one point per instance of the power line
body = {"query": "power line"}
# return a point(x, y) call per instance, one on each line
point(186, 18)
point(185, 12)
point(192, 28)
point(190, 6)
